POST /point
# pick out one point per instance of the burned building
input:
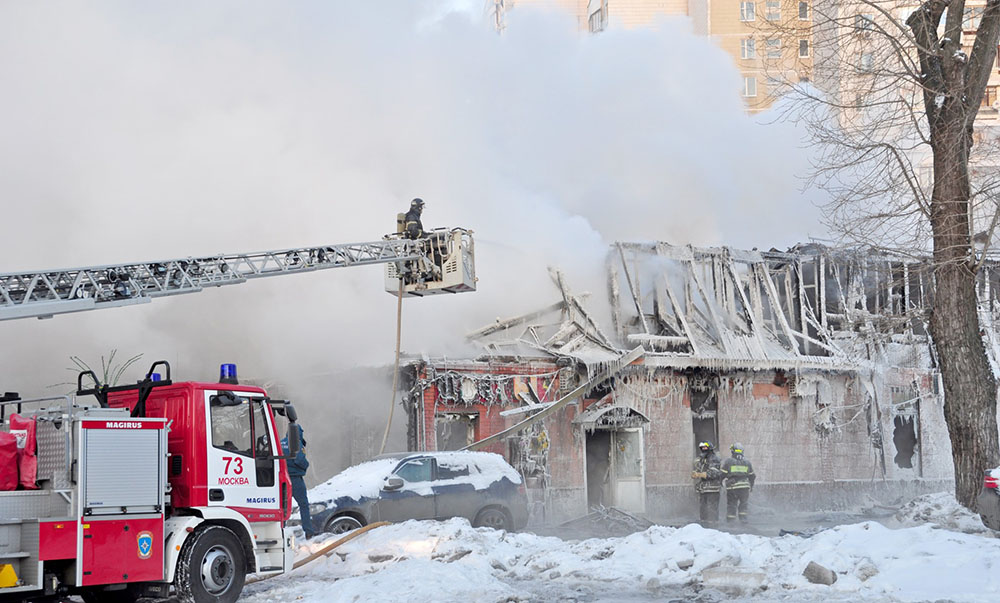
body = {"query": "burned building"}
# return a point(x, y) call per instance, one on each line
point(817, 360)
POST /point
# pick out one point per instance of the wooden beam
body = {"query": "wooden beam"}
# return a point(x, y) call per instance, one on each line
point(679, 313)
point(635, 294)
point(776, 306)
point(513, 322)
point(610, 370)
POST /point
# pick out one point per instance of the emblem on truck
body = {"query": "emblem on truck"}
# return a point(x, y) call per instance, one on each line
point(145, 544)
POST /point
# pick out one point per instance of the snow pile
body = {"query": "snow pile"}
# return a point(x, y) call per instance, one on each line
point(356, 482)
point(485, 467)
point(941, 510)
point(451, 561)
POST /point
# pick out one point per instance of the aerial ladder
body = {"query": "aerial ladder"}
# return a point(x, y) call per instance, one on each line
point(442, 261)
point(163, 488)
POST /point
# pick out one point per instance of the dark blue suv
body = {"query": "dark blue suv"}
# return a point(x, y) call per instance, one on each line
point(479, 486)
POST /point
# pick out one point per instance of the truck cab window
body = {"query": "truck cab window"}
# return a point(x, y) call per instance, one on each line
point(417, 470)
point(231, 426)
point(263, 450)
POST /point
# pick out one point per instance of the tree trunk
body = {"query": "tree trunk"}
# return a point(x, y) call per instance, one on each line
point(969, 387)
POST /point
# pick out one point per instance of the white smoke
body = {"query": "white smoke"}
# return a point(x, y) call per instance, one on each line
point(145, 131)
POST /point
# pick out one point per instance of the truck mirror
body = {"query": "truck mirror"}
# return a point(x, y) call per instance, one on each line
point(294, 443)
point(290, 413)
point(225, 399)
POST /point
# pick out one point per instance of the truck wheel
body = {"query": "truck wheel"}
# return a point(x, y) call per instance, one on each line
point(492, 517)
point(211, 568)
point(342, 524)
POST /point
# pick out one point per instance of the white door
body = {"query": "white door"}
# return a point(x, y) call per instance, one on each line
point(241, 471)
point(628, 471)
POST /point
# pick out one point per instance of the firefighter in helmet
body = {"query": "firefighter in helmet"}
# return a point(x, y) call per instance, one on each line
point(738, 477)
point(412, 227)
point(707, 478)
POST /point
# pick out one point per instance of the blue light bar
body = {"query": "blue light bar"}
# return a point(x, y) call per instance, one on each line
point(227, 374)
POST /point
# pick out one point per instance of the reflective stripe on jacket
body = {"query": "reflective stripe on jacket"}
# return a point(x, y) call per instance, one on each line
point(710, 466)
point(738, 473)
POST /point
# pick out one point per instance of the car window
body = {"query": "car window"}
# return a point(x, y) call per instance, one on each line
point(452, 470)
point(416, 470)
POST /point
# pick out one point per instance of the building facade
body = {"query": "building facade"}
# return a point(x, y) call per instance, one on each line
point(816, 360)
point(770, 41)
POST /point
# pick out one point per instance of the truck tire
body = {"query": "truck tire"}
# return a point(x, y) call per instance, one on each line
point(211, 568)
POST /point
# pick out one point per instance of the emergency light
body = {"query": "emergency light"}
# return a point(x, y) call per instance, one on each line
point(155, 377)
point(227, 374)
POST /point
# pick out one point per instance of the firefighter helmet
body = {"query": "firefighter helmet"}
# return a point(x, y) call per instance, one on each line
point(705, 446)
point(737, 449)
point(417, 203)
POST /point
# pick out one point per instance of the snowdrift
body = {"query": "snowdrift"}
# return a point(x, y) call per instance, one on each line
point(451, 561)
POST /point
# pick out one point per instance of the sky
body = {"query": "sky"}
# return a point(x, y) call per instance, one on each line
point(144, 131)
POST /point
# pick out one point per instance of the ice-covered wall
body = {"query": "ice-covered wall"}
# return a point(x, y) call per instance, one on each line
point(817, 439)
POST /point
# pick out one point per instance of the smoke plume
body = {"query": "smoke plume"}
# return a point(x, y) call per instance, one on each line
point(144, 131)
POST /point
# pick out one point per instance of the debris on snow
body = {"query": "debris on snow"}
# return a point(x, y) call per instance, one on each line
point(817, 574)
point(871, 562)
point(941, 510)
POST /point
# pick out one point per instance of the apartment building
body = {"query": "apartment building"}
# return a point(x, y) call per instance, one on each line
point(770, 40)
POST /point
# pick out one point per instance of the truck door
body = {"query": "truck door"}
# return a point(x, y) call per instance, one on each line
point(242, 473)
point(415, 500)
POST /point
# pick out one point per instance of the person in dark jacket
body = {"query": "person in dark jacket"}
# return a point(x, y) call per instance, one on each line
point(297, 467)
point(708, 482)
point(738, 477)
point(413, 228)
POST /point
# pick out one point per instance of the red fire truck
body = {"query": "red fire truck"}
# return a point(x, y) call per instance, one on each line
point(149, 486)
point(160, 488)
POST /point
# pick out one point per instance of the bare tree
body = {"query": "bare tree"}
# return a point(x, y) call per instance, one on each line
point(893, 100)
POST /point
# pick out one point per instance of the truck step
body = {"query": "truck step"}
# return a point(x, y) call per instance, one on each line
point(270, 568)
point(20, 555)
point(261, 543)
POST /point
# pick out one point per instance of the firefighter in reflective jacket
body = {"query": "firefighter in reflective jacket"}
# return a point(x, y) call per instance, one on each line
point(738, 477)
point(412, 226)
point(708, 482)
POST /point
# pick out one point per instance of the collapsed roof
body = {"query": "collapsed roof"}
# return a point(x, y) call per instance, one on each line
point(812, 307)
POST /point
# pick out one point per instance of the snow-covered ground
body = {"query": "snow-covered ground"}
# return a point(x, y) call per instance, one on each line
point(937, 553)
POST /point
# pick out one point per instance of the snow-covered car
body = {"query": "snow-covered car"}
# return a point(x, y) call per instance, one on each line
point(479, 486)
point(989, 499)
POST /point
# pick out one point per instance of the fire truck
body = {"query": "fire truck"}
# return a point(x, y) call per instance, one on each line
point(163, 488)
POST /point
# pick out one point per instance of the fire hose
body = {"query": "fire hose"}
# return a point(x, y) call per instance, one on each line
point(395, 369)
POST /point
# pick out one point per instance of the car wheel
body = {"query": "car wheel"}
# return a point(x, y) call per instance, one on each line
point(342, 524)
point(492, 517)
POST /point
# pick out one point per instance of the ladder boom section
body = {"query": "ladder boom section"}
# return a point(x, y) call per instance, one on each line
point(45, 293)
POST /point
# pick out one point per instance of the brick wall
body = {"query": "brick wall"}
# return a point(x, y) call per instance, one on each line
point(817, 441)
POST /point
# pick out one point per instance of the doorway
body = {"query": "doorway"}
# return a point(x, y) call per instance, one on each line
point(703, 392)
point(598, 468)
point(615, 469)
